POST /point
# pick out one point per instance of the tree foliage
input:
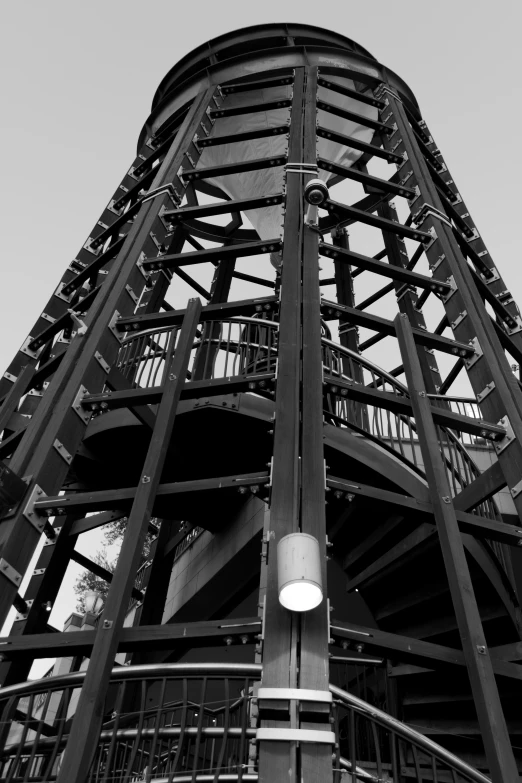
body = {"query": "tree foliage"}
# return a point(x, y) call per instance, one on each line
point(113, 535)
point(89, 581)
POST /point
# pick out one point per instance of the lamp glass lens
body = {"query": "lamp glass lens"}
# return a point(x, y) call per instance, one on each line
point(300, 596)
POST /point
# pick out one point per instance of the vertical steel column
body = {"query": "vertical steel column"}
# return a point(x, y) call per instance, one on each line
point(85, 729)
point(316, 759)
point(492, 723)
point(445, 255)
point(277, 760)
point(348, 333)
point(56, 418)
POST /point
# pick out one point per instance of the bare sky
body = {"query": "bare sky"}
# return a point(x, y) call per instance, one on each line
point(78, 78)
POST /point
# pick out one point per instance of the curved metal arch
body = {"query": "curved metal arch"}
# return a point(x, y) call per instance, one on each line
point(217, 48)
point(266, 62)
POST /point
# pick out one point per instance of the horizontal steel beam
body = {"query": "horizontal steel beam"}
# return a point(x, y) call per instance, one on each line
point(386, 185)
point(211, 312)
point(345, 389)
point(422, 510)
point(133, 398)
point(234, 138)
point(352, 214)
point(332, 310)
point(233, 168)
point(361, 119)
point(357, 144)
point(252, 108)
point(212, 254)
point(259, 84)
point(410, 650)
point(221, 208)
point(155, 637)
point(362, 97)
point(104, 500)
point(381, 268)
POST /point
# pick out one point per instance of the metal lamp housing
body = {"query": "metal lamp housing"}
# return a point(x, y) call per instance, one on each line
point(299, 572)
point(316, 192)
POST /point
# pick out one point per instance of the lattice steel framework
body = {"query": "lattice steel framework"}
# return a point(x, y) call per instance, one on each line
point(112, 365)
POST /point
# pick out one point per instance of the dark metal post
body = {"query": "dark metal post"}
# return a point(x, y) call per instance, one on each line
point(277, 760)
point(85, 729)
point(56, 419)
point(491, 718)
point(447, 258)
point(316, 759)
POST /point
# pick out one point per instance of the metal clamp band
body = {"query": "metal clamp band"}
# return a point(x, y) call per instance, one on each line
point(298, 694)
point(301, 168)
point(296, 735)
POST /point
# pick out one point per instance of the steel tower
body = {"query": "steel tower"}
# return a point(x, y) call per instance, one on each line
point(220, 367)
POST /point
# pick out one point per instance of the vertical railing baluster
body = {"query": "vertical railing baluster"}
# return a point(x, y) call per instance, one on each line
point(182, 727)
point(394, 762)
point(156, 726)
point(378, 759)
point(199, 726)
point(139, 729)
point(36, 738)
point(226, 724)
point(353, 749)
point(112, 745)
point(243, 726)
point(418, 772)
point(23, 737)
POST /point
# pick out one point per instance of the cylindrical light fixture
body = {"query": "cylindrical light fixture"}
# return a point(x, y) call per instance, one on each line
point(299, 572)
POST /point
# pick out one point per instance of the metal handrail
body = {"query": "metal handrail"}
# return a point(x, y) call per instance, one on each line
point(409, 734)
point(358, 357)
point(139, 672)
point(154, 671)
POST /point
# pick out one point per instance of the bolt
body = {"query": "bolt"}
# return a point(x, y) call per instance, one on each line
point(446, 499)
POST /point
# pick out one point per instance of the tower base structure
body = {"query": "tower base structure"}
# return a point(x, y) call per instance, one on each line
point(223, 368)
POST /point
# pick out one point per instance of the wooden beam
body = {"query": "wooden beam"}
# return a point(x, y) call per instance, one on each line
point(112, 498)
point(357, 316)
point(402, 406)
point(482, 488)
point(477, 526)
point(84, 735)
point(277, 760)
point(152, 637)
point(410, 650)
point(478, 661)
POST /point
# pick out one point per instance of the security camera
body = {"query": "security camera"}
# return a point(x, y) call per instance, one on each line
point(316, 192)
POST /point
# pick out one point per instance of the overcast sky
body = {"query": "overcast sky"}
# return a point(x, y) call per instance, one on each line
point(78, 79)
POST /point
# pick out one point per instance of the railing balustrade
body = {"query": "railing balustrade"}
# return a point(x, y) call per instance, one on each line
point(197, 722)
point(247, 346)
